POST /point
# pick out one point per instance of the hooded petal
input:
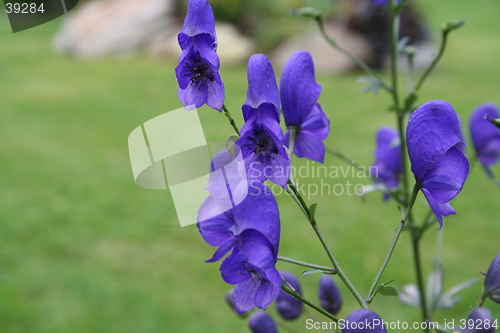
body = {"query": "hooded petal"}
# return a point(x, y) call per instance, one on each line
point(447, 178)
point(485, 135)
point(288, 306)
point(258, 250)
point(365, 321)
point(492, 280)
point(262, 88)
point(261, 322)
point(199, 19)
point(307, 145)
point(432, 130)
point(329, 295)
point(298, 88)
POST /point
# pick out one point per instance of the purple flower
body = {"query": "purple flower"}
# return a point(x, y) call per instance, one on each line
point(494, 121)
point(363, 321)
point(263, 151)
point(387, 158)
point(434, 144)
point(329, 295)
point(485, 136)
point(381, 2)
point(262, 95)
point(492, 281)
point(299, 94)
point(288, 306)
point(251, 267)
point(258, 210)
point(479, 321)
point(261, 322)
point(198, 70)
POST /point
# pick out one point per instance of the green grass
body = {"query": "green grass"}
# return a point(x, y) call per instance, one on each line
point(83, 249)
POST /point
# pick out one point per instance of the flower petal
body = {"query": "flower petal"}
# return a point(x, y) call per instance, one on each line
point(244, 295)
point(308, 145)
point(298, 88)
point(199, 19)
point(439, 209)
point(262, 87)
point(432, 130)
point(269, 289)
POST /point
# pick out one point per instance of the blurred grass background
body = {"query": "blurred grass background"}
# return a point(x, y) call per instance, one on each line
point(83, 249)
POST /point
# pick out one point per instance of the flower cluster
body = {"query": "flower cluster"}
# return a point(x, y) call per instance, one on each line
point(198, 70)
point(435, 146)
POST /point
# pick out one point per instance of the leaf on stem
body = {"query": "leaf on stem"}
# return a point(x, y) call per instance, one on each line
point(315, 271)
point(308, 12)
point(312, 210)
point(373, 85)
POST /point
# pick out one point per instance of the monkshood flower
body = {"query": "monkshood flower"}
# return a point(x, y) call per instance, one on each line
point(263, 151)
point(434, 144)
point(261, 322)
point(363, 321)
point(387, 163)
point(299, 95)
point(492, 281)
point(479, 321)
point(251, 267)
point(381, 2)
point(258, 211)
point(329, 295)
point(485, 136)
point(262, 95)
point(198, 70)
point(288, 306)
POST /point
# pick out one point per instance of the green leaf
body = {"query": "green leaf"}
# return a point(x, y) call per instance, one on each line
point(403, 43)
point(373, 84)
point(314, 271)
point(388, 291)
point(312, 209)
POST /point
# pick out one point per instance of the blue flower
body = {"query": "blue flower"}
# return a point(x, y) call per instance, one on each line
point(363, 321)
point(435, 146)
point(258, 210)
point(492, 281)
point(299, 95)
point(329, 295)
point(261, 322)
point(261, 137)
point(287, 306)
point(485, 136)
point(198, 70)
point(478, 320)
point(387, 158)
point(251, 267)
point(262, 95)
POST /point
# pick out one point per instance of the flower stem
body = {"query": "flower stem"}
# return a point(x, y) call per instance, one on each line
point(326, 269)
point(403, 220)
point(351, 57)
point(304, 300)
point(435, 61)
point(394, 31)
point(298, 198)
point(231, 120)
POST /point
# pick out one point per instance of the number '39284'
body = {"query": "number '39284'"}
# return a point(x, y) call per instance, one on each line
point(24, 8)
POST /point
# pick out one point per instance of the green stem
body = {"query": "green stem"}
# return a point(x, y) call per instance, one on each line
point(414, 194)
point(435, 61)
point(304, 300)
point(351, 57)
point(420, 280)
point(231, 120)
point(328, 270)
point(300, 201)
point(394, 30)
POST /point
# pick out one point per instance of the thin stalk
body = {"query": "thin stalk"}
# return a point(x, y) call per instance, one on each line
point(394, 31)
point(414, 194)
point(329, 270)
point(351, 57)
point(300, 201)
point(420, 279)
point(304, 300)
point(435, 61)
point(231, 120)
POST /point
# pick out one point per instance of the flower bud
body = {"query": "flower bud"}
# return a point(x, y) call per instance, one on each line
point(329, 295)
point(261, 322)
point(492, 281)
point(288, 306)
point(363, 320)
point(479, 321)
point(230, 299)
